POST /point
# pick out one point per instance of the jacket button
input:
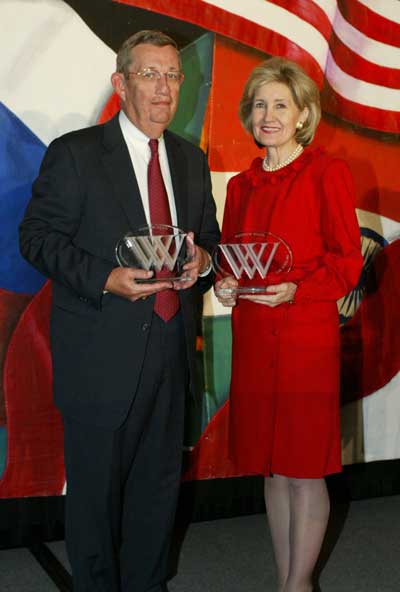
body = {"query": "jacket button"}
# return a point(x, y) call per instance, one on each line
point(145, 326)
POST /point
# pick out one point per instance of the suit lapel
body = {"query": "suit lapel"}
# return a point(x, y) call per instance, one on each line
point(178, 169)
point(118, 166)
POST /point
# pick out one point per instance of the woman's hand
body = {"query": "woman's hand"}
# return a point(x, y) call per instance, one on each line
point(276, 295)
point(224, 291)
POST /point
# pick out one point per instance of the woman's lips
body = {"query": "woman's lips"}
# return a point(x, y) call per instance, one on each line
point(269, 130)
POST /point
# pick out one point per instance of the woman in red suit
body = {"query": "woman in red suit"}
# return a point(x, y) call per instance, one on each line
point(284, 397)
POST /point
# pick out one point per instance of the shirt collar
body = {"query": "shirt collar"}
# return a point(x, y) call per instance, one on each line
point(133, 133)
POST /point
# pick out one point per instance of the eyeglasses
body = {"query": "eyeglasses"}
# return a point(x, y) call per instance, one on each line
point(150, 75)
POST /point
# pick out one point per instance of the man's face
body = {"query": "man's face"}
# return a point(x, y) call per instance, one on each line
point(150, 104)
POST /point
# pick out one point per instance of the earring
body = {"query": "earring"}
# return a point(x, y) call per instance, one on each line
point(299, 125)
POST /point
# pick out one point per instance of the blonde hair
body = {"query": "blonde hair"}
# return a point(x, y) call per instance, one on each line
point(303, 89)
point(124, 55)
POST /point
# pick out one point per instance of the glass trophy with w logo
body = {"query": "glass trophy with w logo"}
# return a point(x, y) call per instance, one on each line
point(255, 259)
point(159, 248)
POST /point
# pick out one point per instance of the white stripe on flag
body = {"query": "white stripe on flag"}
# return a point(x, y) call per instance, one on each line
point(279, 20)
point(389, 9)
point(381, 412)
point(386, 227)
point(328, 6)
point(369, 49)
point(358, 91)
point(54, 71)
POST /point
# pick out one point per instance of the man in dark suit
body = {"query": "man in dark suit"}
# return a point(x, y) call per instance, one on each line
point(121, 364)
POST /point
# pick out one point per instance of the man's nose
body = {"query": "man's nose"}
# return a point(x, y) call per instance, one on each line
point(163, 83)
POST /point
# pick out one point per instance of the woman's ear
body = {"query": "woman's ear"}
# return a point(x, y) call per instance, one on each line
point(304, 114)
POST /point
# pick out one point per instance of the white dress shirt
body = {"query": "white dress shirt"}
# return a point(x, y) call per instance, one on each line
point(139, 151)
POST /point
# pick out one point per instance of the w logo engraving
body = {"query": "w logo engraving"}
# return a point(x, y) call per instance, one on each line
point(156, 252)
point(249, 255)
point(249, 258)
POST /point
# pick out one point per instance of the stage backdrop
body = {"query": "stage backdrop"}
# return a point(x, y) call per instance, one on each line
point(54, 77)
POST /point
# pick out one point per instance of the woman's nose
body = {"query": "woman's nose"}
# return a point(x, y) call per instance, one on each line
point(268, 113)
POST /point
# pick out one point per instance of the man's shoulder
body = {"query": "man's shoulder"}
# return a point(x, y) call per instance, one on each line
point(171, 138)
point(88, 135)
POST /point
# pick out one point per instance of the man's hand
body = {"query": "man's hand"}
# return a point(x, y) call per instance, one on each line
point(276, 295)
point(199, 259)
point(224, 291)
point(122, 282)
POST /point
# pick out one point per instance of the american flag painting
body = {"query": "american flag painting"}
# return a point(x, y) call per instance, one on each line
point(351, 49)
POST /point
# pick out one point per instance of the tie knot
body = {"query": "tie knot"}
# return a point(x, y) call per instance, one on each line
point(153, 147)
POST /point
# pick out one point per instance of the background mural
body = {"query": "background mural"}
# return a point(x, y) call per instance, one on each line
point(54, 77)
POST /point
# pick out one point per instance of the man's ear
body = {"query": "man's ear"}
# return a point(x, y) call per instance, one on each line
point(118, 83)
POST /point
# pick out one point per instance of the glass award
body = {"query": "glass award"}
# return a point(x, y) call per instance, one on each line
point(159, 248)
point(255, 259)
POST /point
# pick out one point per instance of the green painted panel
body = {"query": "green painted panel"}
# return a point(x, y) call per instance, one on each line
point(214, 368)
point(197, 60)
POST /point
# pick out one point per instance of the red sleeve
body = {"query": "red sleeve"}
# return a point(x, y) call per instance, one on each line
point(340, 266)
point(226, 232)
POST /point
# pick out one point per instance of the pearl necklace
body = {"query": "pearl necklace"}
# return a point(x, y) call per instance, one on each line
point(270, 169)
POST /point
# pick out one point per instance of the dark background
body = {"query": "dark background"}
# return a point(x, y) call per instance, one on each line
point(114, 22)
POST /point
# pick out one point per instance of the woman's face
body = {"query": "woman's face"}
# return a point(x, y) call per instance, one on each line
point(275, 115)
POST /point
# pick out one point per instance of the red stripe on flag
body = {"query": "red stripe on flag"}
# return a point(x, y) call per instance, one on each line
point(111, 107)
point(362, 115)
point(370, 23)
point(360, 68)
point(11, 307)
point(308, 11)
point(210, 457)
point(235, 27)
point(35, 464)
point(374, 163)
point(371, 340)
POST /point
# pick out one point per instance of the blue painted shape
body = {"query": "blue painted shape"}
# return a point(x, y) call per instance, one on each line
point(21, 153)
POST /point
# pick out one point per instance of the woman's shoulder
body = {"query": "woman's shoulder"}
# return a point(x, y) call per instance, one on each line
point(247, 176)
point(332, 173)
point(322, 159)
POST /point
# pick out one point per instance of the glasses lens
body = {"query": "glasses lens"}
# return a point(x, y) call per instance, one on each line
point(152, 75)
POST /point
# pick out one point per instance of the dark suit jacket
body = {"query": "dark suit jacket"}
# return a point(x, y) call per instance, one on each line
point(85, 199)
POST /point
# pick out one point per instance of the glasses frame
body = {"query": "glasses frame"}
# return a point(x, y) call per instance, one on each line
point(158, 75)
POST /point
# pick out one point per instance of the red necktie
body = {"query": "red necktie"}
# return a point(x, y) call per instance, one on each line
point(167, 302)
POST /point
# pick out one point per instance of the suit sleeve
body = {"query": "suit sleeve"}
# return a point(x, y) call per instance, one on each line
point(51, 221)
point(339, 268)
point(209, 234)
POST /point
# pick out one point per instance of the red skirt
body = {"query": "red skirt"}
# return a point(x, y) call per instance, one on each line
point(284, 395)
